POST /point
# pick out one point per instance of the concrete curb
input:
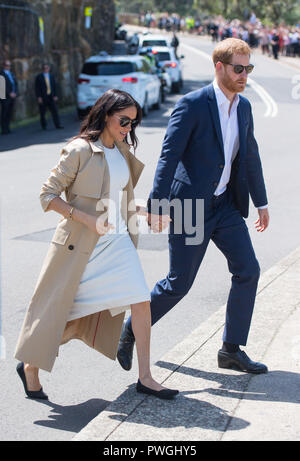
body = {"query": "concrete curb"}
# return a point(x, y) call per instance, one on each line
point(197, 348)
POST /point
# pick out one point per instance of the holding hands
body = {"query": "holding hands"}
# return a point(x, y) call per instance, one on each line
point(157, 223)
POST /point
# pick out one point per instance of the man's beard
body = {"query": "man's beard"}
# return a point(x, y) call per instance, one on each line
point(232, 86)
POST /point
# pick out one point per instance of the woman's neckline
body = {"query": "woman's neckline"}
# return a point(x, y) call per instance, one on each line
point(106, 147)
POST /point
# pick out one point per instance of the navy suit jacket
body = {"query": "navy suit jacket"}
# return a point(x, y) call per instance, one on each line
point(8, 85)
point(193, 154)
point(41, 87)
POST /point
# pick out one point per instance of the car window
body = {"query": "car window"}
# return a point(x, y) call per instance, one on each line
point(108, 68)
point(163, 56)
point(154, 43)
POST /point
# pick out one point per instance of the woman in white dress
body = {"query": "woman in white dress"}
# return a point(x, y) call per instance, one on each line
point(113, 276)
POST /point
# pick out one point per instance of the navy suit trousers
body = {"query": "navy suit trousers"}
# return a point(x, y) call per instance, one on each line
point(225, 226)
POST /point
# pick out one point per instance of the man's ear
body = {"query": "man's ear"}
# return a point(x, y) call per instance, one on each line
point(218, 66)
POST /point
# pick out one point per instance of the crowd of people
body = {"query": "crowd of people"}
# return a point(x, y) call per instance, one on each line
point(273, 40)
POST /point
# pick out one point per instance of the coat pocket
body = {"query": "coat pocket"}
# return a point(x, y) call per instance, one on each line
point(60, 236)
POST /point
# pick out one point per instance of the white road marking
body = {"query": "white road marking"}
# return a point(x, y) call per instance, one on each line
point(271, 105)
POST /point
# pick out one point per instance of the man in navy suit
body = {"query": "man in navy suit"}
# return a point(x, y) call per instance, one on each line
point(11, 92)
point(210, 155)
point(45, 90)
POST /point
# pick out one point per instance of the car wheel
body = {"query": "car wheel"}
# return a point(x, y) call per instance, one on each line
point(157, 105)
point(146, 106)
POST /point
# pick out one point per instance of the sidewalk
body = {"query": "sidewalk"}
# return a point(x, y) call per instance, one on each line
point(218, 404)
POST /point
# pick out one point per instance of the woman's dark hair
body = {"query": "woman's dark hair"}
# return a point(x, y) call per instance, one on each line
point(109, 103)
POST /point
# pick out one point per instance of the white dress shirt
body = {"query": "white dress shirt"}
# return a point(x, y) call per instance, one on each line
point(230, 134)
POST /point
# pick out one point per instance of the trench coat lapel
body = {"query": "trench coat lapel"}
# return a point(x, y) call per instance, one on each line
point(135, 166)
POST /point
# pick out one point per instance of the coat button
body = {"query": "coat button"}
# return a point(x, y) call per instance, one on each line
point(221, 166)
point(215, 184)
point(71, 247)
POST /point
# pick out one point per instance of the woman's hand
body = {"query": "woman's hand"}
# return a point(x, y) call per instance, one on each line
point(141, 210)
point(99, 225)
point(158, 223)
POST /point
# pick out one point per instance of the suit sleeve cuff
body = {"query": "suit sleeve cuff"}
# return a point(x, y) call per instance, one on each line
point(262, 207)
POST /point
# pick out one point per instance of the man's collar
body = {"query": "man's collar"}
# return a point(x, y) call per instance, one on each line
point(222, 98)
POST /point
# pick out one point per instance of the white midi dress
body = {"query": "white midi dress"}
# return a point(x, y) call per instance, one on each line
point(113, 278)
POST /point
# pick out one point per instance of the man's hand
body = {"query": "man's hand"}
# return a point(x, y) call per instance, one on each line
point(158, 223)
point(263, 221)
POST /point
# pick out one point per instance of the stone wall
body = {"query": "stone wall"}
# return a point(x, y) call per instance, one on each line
point(67, 43)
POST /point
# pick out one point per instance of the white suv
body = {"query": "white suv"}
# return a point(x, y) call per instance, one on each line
point(167, 60)
point(132, 74)
point(150, 40)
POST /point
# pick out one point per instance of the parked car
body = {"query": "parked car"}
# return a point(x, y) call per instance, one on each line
point(128, 73)
point(167, 59)
point(165, 79)
point(150, 40)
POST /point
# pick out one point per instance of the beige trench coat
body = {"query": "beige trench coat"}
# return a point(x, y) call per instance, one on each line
point(82, 173)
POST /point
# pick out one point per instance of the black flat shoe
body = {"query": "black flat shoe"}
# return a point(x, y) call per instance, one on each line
point(166, 394)
point(31, 394)
point(125, 350)
point(240, 360)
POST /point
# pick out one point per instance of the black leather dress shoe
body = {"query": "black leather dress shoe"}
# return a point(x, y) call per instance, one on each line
point(125, 350)
point(240, 360)
point(31, 394)
point(166, 394)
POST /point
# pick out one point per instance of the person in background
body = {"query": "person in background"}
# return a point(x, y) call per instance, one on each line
point(275, 44)
point(175, 43)
point(45, 90)
point(11, 92)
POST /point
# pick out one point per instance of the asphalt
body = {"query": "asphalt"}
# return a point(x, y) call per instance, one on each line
point(219, 404)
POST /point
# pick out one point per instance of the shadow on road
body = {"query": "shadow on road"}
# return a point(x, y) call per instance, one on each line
point(74, 417)
point(32, 134)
